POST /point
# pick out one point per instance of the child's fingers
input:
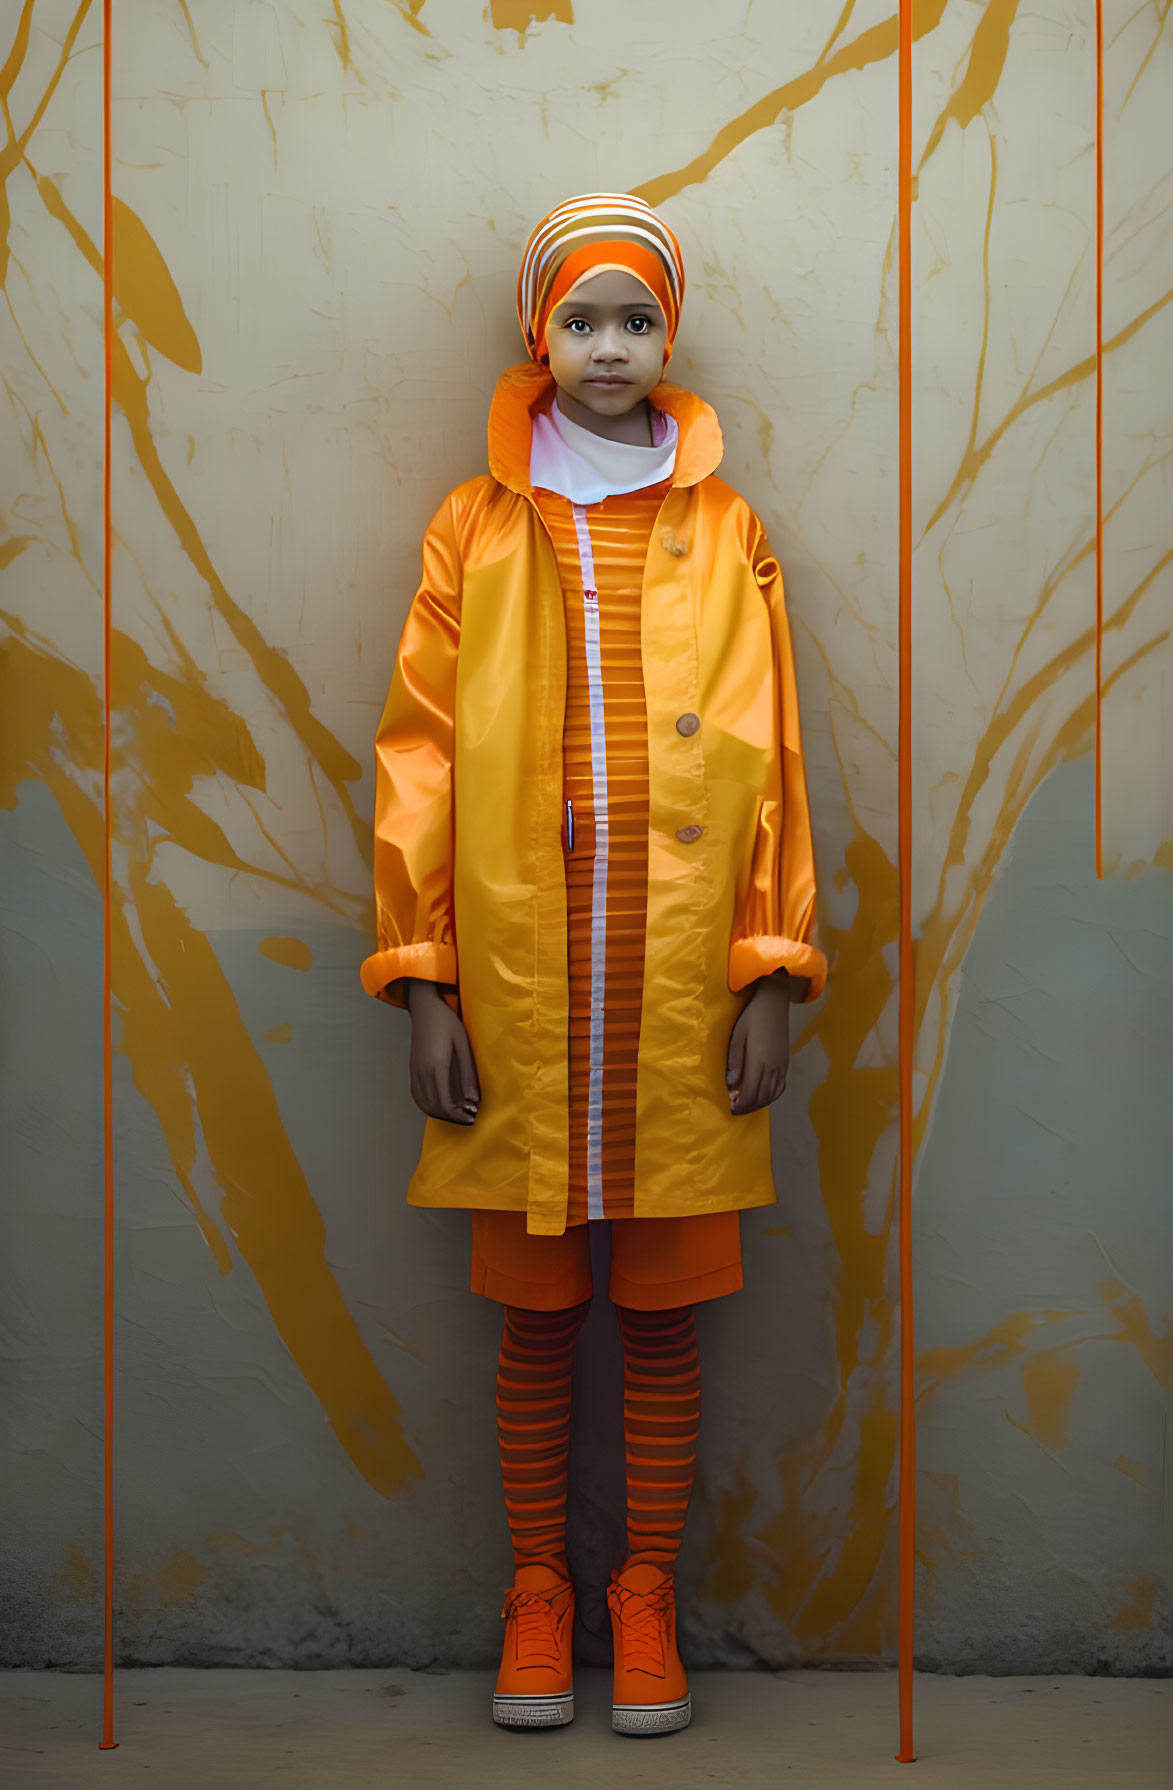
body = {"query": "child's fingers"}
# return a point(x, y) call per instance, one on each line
point(771, 1084)
point(735, 1055)
point(746, 1097)
point(469, 1091)
point(431, 1091)
point(449, 1095)
point(422, 1091)
point(428, 1091)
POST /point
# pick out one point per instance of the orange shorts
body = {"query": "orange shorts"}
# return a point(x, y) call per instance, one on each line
point(656, 1263)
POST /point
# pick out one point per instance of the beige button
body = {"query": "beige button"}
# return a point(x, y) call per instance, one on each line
point(687, 724)
point(689, 835)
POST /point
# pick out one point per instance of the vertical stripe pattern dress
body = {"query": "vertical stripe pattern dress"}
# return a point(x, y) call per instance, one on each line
point(601, 550)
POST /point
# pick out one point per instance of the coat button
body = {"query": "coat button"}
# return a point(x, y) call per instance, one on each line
point(689, 835)
point(687, 724)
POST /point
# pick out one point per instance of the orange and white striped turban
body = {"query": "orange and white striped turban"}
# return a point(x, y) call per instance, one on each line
point(585, 236)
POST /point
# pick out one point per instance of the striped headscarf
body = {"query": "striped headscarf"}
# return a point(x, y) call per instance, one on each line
point(584, 236)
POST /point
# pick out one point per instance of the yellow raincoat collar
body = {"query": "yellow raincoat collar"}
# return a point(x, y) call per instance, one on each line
point(525, 389)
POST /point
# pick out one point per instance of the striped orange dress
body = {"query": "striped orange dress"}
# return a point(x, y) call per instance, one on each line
point(601, 549)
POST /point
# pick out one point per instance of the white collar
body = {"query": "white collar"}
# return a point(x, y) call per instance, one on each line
point(586, 468)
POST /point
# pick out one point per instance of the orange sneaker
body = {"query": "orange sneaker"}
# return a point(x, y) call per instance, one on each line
point(535, 1686)
point(651, 1687)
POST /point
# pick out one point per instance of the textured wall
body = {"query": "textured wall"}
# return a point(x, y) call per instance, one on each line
point(320, 211)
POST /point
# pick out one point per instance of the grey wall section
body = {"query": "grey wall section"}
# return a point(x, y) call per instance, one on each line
point(50, 1237)
point(1045, 1225)
point(245, 1535)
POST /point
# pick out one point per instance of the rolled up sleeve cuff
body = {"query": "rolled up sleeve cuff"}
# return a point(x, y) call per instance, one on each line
point(382, 974)
point(752, 958)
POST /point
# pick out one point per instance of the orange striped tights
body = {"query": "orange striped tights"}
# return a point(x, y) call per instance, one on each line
point(661, 1418)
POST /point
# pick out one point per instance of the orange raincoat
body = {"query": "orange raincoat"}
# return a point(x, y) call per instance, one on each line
point(469, 870)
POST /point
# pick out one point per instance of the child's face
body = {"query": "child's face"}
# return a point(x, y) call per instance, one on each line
point(607, 343)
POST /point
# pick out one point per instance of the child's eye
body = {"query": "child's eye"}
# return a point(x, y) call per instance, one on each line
point(641, 325)
point(574, 325)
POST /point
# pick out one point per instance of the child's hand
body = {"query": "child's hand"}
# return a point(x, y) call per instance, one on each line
point(759, 1047)
point(443, 1075)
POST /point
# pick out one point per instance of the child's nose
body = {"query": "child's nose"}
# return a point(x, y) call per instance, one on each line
point(610, 346)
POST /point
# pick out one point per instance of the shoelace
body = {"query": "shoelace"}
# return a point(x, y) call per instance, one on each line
point(537, 1630)
point(644, 1616)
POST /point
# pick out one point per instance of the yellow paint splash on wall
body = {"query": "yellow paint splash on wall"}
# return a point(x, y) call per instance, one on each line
point(189, 1050)
point(295, 954)
point(870, 1629)
point(730, 1573)
point(179, 1575)
point(1155, 1351)
point(79, 1576)
point(871, 46)
point(949, 927)
point(51, 198)
point(271, 666)
point(942, 1537)
point(169, 1585)
point(339, 31)
point(994, 1348)
point(267, 1204)
point(1049, 1383)
point(826, 1594)
point(987, 59)
point(12, 152)
point(1136, 1611)
point(191, 32)
point(282, 1034)
point(192, 1058)
point(519, 15)
point(10, 548)
point(836, 1597)
point(976, 457)
point(144, 289)
point(1132, 1470)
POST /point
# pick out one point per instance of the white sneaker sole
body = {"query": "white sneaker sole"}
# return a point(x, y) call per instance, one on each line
point(533, 1712)
point(651, 1718)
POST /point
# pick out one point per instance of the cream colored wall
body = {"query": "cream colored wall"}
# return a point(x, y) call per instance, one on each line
point(321, 210)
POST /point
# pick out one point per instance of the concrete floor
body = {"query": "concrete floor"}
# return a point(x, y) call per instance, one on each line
point(193, 1730)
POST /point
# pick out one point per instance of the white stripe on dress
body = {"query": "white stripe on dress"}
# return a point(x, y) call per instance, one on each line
point(590, 610)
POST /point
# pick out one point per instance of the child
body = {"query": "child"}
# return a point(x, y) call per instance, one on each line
point(595, 891)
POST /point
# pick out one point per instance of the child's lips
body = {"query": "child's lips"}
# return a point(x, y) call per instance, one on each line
point(608, 379)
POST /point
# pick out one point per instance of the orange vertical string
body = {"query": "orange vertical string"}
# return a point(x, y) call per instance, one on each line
point(906, 1516)
point(1099, 438)
point(107, 1739)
